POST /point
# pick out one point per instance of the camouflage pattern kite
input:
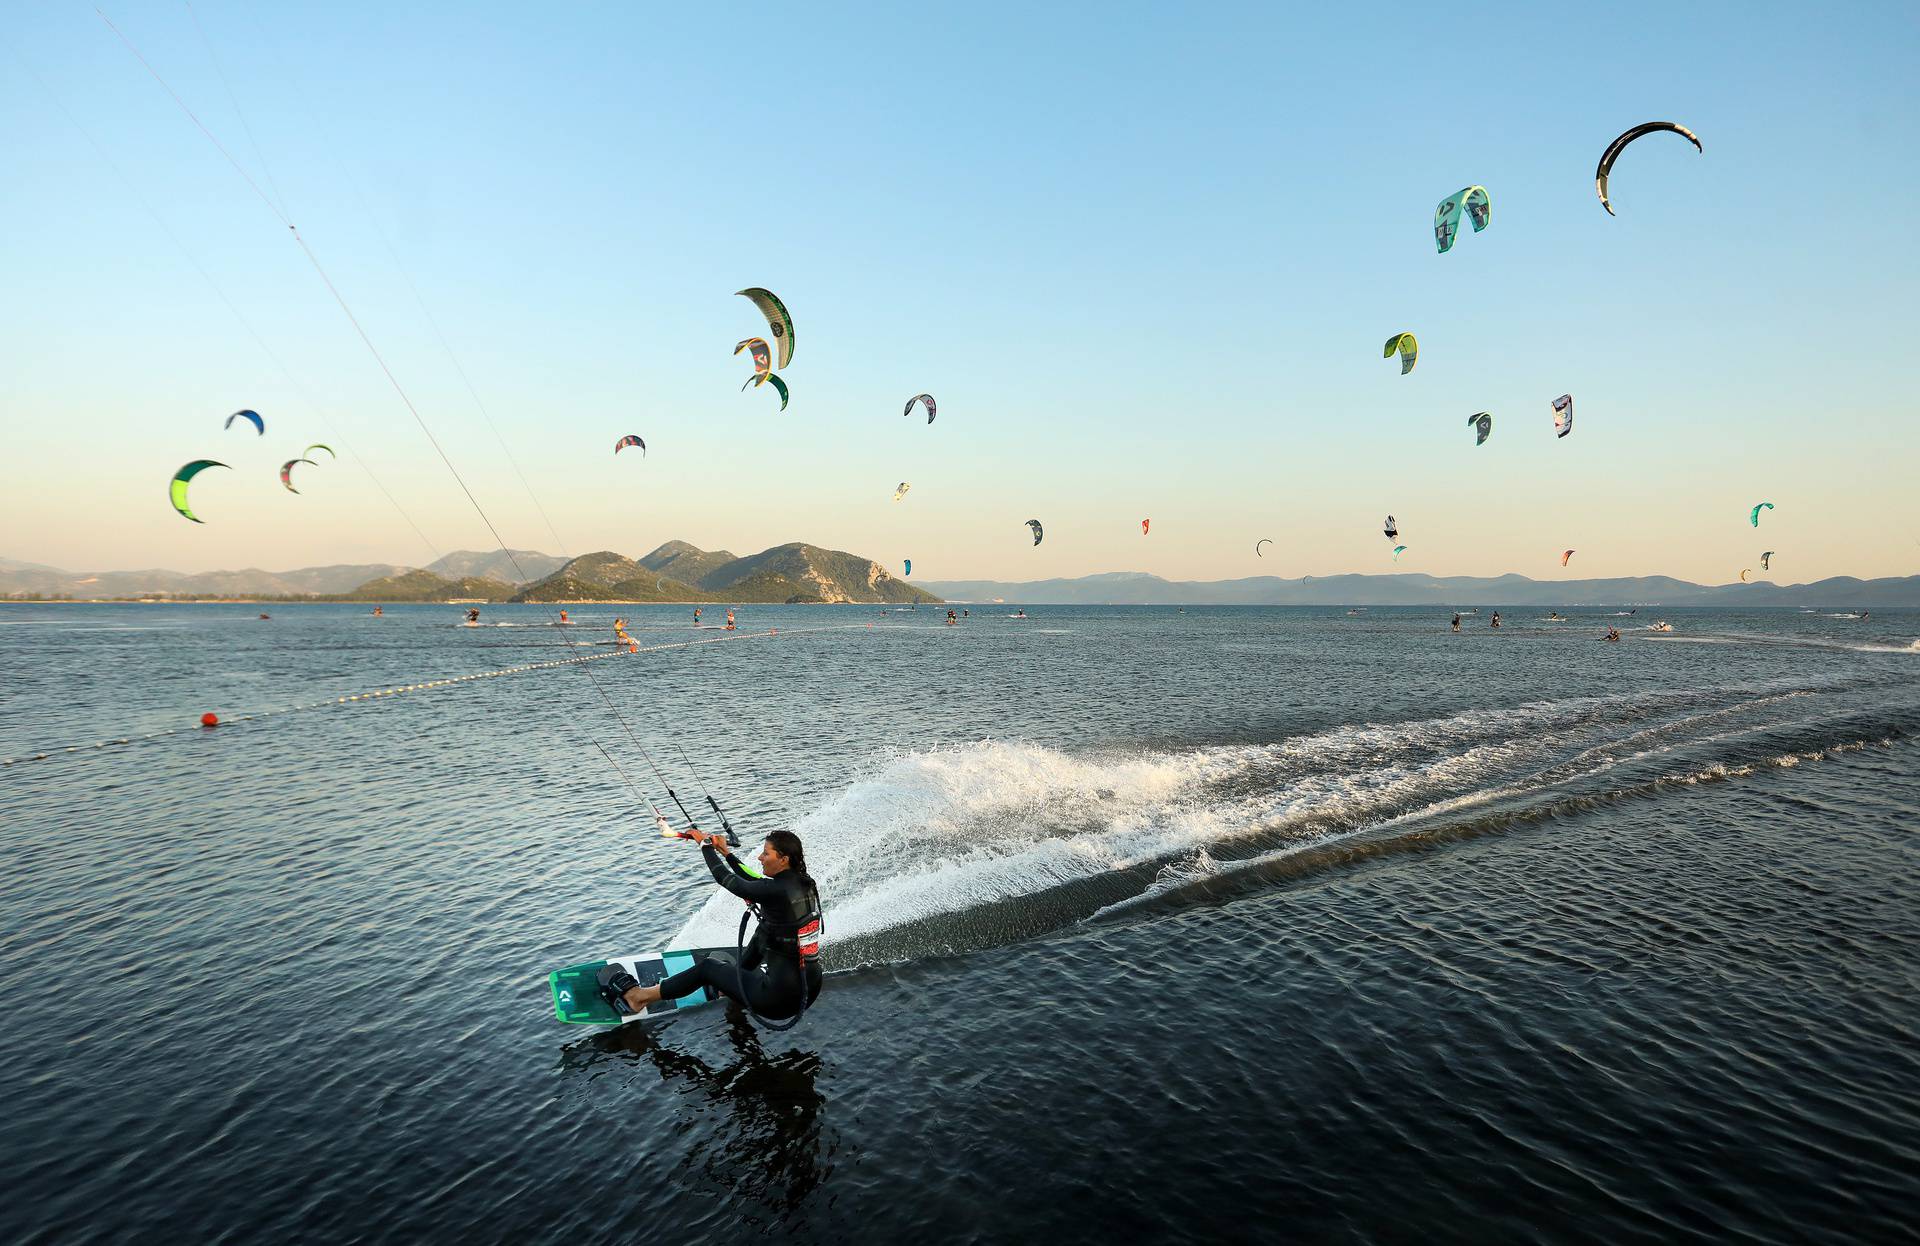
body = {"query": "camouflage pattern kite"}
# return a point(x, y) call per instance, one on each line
point(631, 439)
point(779, 323)
point(1612, 153)
point(1408, 347)
point(1446, 217)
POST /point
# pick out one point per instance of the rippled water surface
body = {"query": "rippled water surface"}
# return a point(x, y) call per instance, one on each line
point(1142, 925)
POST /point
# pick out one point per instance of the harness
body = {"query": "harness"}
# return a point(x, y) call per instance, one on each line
point(803, 933)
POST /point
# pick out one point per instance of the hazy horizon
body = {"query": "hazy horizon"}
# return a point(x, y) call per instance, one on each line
point(1145, 266)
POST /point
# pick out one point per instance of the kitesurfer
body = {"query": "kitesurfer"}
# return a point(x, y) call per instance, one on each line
point(729, 620)
point(966, 614)
point(564, 618)
point(1613, 633)
point(1496, 619)
point(953, 619)
point(1456, 622)
point(620, 630)
point(778, 974)
point(473, 614)
point(377, 612)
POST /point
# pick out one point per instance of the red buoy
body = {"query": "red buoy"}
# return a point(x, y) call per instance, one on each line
point(209, 719)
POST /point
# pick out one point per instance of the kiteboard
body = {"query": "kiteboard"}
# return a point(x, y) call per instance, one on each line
point(576, 989)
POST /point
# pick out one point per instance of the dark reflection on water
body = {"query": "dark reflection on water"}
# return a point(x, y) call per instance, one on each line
point(764, 1142)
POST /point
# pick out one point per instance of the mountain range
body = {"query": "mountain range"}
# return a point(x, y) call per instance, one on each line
point(1135, 588)
point(677, 571)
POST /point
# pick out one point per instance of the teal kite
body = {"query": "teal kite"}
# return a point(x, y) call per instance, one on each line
point(1754, 517)
point(1446, 218)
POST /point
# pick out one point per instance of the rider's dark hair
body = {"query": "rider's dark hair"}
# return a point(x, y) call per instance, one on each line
point(787, 844)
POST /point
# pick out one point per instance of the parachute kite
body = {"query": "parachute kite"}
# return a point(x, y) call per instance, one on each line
point(761, 378)
point(177, 491)
point(779, 323)
point(1754, 517)
point(1446, 217)
point(1144, 523)
point(924, 398)
point(286, 472)
point(317, 446)
point(1409, 351)
point(631, 439)
point(1482, 425)
point(1765, 559)
point(1565, 556)
point(908, 564)
point(1397, 551)
point(901, 491)
point(1038, 532)
point(1258, 544)
point(1612, 153)
point(1392, 528)
point(259, 425)
point(1743, 574)
point(1563, 415)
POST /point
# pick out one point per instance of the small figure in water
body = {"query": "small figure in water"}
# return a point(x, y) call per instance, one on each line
point(564, 618)
point(1020, 614)
point(1613, 634)
point(377, 612)
point(696, 616)
point(952, 619)
point(1456, 622)
point(1496, 619)
point(729, 620)
point(473, 614)
point(1553, 616)
point(779, 974)
point(1863, 615)
point(620, 630)
point(966, 614)
point(268, 616)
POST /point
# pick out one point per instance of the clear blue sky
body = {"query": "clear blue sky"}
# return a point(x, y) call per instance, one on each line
point(1145, 259)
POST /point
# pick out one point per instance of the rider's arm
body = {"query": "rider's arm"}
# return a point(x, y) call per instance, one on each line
point(727, 872)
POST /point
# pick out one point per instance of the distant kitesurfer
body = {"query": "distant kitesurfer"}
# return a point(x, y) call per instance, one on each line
point(729, 620)
point(266, 616)
point(473, 614)
point(952, 619)
point(1020, 614)
point(1496, 619)
point(1863, 615)
point(1456, 622)
point(377, 612)
point(966, 614)
point(696, 616)
point(620, 630)
point(564, 618)
point(779, 971)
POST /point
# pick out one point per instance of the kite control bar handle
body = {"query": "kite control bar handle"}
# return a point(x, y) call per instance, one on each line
point(669, 833)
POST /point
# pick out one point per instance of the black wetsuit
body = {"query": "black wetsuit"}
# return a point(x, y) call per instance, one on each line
point(771, 970)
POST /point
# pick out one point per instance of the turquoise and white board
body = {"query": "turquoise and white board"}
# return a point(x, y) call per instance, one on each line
point(576, 989)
